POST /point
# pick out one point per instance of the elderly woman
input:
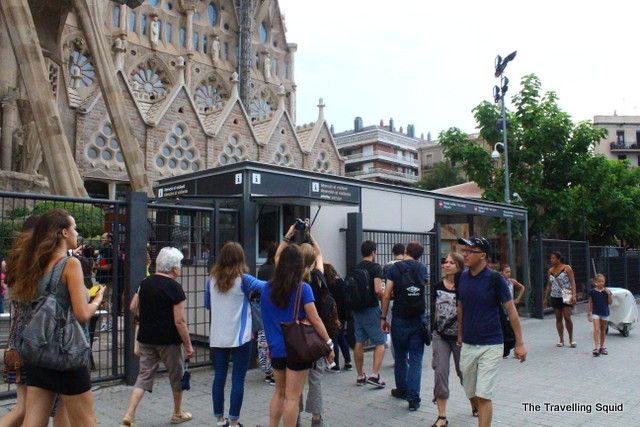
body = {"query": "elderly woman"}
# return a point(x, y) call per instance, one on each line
point(162, 334)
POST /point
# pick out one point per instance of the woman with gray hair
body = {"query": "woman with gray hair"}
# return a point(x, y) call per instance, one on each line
point(162, 334)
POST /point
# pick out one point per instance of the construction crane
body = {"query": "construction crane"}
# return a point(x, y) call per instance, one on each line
point(245, 38)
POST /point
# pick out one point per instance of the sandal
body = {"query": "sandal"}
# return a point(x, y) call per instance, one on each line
point(596, 352)
point(560, 344)
point(446, 423)
point(182, 417)
point(574, 344)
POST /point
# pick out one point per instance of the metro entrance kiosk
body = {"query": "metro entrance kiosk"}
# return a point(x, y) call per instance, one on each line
point(268, 198)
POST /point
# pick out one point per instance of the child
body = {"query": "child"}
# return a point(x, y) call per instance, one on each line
point(505, 270)
point(598, 313)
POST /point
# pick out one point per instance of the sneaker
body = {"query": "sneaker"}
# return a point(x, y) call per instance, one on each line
point(596, 352)
point(414, 405)
point(376, 381)
point(269, 380)
point(360, 381)
point(603, 351)
point(107, 326)
point(400, 394)
point(335, 369)
point(347, 367)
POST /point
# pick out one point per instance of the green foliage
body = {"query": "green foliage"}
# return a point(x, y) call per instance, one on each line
point(89, 218)
point(441, 175)
point(18, 213)
point(8, 230)
point(570, 192)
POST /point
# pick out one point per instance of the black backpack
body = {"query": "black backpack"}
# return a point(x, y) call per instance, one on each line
point(508, 336)
point(409, 293)
point(358, 290)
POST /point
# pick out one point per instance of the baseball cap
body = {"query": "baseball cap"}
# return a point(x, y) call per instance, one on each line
point(477, 242)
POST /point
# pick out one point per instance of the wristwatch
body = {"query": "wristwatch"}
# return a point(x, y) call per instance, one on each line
point(383, 317)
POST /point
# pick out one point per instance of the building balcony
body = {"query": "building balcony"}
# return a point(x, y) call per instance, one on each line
point(622, 147)
point(391, 175)
point(381, 155)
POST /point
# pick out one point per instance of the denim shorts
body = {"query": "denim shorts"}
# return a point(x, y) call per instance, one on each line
point(367, 326)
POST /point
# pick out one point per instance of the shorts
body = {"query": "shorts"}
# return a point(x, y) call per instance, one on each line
point(367, 326)
point(280, 363)
point(479, 365)
point(556, 302)
point(597, 316)
point(150, 356)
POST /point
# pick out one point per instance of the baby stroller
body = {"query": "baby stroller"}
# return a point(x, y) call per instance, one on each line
point(623, 311)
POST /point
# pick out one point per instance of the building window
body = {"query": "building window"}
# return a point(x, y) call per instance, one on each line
point(275, 66)
point(178, 154)
point(213, 14)
point(622, 157)
point(153, 2)
point(143, 24)
point(620, 137)
point(263, 33)
point(183, 35)
point(233, 151)
point(283, 155)
point(116, 16)
point(205, 44)
point(196, 41)
point(104, 148)
point(286, 69)
point(322, 163)
point(226, 51)
point(168, 33)
point(132, 22)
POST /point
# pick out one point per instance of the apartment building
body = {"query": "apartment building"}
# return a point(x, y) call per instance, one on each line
point(623, 139)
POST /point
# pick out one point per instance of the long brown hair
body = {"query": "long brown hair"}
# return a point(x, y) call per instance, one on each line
point(331, 275)
point(309, 261)
point(229, 265)
point(287, 275)
point(31, 253)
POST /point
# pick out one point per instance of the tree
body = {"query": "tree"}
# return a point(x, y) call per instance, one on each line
point(441, 175)
point(552, 167)
point(89, 218)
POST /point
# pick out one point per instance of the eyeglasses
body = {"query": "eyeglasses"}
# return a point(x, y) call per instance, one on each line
point(469, 251)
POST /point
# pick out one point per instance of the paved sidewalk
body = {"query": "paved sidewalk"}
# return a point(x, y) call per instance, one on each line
point(556, 376)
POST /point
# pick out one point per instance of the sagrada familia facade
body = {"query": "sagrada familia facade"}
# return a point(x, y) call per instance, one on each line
point(95, 93)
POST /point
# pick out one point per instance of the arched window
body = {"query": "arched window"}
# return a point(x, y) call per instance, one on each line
point(205, 44)
point(116, 16)
point(213, 14)
point(168, 33)
point(263, 33)
point(183, 36)
point(196, 41)
point(143, 24)
point(132, 22)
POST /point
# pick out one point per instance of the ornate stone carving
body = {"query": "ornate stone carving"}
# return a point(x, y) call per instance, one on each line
point(154, 35)
point(120, 50)
point(215, 49)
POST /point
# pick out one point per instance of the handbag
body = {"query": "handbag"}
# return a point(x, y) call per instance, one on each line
point(567, 295)
point(12, 370)
point(302, 341)
point(52, 337)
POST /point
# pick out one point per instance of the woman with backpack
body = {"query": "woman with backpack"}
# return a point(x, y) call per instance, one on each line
point(227, 297)
point(278, 301)
point(337, 290)
point(41, 260)
point(326, 307)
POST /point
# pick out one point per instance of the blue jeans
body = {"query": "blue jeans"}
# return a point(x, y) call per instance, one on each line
point(241, 356)
point(342, 344)
point(409, 349)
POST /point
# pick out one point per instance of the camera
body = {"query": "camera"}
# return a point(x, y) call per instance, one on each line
point(300, 224)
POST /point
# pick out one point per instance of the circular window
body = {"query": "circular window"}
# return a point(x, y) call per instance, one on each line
point(195, 167)
point(321, 156)
point(100, 142)
point(184, 143)
point(281, 149)
point(166, 151)
point(113, 144)
point(285, 159)
point(178, 153)
point(238, 151)
point(172, 164)
point(276, 157)
point(184, 165)
point(224, 160)
point(106, 129)
point(92, 153)
point(160, 162)
point(318, 164)
point(233, 140)
point(119, 157)
point(179, 130)
point(233, 160)
point(189, 154)
point(228, 150)
point(106, 155)
point(173, 141)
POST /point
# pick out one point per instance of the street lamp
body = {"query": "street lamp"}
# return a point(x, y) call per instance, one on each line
point(499, 93)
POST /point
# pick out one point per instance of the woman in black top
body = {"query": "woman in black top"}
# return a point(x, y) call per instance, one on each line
point(445, 334)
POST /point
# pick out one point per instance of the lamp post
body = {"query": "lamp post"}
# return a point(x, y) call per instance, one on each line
point(499, 93)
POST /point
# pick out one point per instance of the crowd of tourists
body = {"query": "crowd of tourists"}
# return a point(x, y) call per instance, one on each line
point(297, 310)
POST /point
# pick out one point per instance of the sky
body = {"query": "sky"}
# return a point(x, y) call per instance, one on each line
point(429, 63)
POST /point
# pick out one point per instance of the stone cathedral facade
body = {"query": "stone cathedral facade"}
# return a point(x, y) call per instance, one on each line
point(173, 64)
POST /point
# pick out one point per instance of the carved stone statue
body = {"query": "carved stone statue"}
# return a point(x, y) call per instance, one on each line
point(31, 150)
point(215, 49)
point(154, 36)
point(120, 49)
point(267, 66)
point(16, 143)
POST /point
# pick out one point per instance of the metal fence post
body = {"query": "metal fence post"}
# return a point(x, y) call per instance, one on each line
point(538, 283)
point(134, 273)
point(354, 239)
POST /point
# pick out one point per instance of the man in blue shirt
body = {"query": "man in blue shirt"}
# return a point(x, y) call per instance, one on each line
point(479, 329)
point(408, 317)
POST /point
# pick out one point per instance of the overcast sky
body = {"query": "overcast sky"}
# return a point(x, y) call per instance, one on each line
point(429, 63)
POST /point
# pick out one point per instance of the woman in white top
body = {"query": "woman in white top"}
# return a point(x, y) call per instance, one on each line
point(227, 296)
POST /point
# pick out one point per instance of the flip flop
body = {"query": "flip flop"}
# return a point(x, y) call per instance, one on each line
point(181, 417)
point(560, 344)
point(574, 344)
